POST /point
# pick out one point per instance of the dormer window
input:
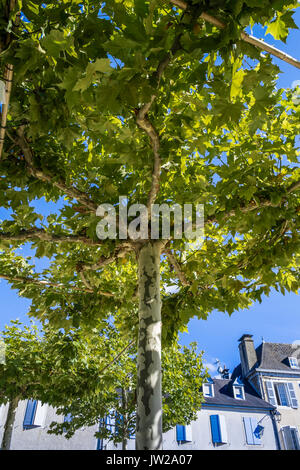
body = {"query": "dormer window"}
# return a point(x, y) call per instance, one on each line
point(208, 388)
point(239, 393)
point(238, 389)
point(293, 362)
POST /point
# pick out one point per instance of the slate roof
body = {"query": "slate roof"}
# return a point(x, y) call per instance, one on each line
point(273, 356)
point(223, 392)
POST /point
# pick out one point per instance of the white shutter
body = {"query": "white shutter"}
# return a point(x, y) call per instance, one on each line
point(296, 441)
point(287, 438)
point(271, 393)
point(292, 396)
point(188, 433)
point(223, 429)
point(2, 414)
point(40, 414)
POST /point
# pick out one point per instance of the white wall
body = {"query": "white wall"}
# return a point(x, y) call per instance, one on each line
point(201, 433)
point(38, 439)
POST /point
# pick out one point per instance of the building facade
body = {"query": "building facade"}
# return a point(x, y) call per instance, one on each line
point(232, 417)
point(273, 369)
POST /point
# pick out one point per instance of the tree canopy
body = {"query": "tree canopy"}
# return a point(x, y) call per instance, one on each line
point(160, 102)
point(113, 406)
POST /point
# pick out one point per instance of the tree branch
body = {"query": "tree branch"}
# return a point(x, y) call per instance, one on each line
point(146, 126)
point(40, 283)
point(85, 281)
point(177, 267)
point(8, 76)
point(71, 192)
point(120, 252)
point(293, 187)
point(41, 234)
point(244, 36)
point(144, 123)
point(117, 357)
point(256, 206)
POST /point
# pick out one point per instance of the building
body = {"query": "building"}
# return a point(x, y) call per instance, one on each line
point(256, 409)
point(273, 369)
point(30, 429)
point(232, 417)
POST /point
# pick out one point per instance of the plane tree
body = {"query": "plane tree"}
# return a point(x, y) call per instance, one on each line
point(166, 102)
point(113, 408)
point(52, 366)
point(90, 376)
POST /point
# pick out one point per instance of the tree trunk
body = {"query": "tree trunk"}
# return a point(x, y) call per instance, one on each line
point(149, 397)
point(124, 443)
point(9, 424)
point(125, 419)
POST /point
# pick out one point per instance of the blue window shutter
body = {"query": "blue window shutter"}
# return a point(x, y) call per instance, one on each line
point(100, 440)
point(99, 444)
point(118, 422)
point(255, 431)
point(30, 413)
point(248, 431)
point(180, 433)
point(215, 428)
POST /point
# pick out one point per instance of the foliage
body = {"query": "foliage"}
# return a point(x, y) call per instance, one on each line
point(141, 99)
point(227, 140)
point(182, 377)
point(51, 366)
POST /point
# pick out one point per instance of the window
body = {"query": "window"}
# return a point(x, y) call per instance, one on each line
point(239, 392)
point(115, 425)
point(253, 431)
point(35, 414)
point(109, 423)
point(293, 362)
point(281, 393)
point(208, 390)
point(67, 419)
point(290, 438)
point(218, 429)
point(238, 389)
point(183, 433)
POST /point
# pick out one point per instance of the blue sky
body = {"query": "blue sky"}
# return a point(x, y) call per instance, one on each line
point(276, 319)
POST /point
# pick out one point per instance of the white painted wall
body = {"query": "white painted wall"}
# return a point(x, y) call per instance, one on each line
point(38, 439)
point(201, 433)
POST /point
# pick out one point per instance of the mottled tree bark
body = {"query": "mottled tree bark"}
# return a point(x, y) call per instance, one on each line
point(9, 424)
point(149, 397)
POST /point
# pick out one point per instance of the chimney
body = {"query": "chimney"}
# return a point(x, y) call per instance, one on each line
point(247, 353)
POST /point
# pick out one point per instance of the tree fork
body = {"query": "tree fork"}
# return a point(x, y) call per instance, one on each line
point(149, 394)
